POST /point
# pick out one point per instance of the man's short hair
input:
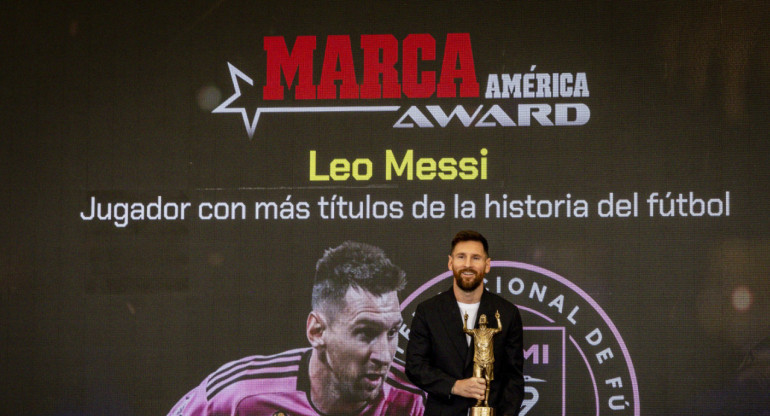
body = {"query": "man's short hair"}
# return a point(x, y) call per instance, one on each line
point(356, 265)
point(470, 235)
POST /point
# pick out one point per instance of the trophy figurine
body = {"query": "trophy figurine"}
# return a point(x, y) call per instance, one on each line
point(483, 359)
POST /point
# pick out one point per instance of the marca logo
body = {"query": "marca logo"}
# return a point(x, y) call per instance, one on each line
point(393, 70)
point(575, 359)
point(380, 74)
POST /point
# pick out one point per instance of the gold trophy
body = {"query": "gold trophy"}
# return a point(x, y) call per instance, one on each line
point(483, 359)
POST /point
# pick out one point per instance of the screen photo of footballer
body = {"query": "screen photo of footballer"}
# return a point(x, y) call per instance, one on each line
point(349, 368)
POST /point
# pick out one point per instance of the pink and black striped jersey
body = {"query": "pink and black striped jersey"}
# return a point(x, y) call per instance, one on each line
point(279, 385)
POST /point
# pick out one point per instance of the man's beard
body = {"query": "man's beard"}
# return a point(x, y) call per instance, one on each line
point(465, 285)
point(357, 390)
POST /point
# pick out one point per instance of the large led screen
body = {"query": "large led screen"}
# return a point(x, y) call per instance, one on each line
point(174, 172)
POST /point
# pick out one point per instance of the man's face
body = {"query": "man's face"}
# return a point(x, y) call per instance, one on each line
point(469, 264)
point(361, 343)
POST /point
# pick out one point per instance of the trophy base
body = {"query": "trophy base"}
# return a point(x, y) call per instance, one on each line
point(482, 411)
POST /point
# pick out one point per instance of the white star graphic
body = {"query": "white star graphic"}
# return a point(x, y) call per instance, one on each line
point(251, 125)
point(236, 73)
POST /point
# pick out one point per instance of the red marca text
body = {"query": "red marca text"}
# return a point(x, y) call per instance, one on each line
point(381, 76)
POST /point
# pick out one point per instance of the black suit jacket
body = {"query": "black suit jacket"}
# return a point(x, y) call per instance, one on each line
point(438, 354)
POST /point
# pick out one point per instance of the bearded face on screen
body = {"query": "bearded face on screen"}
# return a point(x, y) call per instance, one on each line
point(360, 344)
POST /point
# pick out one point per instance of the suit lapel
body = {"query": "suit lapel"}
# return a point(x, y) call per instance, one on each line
point(454, 324)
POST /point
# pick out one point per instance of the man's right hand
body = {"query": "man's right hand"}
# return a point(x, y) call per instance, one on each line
point(472, 388)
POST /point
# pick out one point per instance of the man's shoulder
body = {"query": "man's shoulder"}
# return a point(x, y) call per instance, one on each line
point(400, 398)
point(256, 370)
point(220, 392)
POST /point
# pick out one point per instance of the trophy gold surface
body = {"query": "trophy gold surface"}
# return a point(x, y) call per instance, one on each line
point(483, 359)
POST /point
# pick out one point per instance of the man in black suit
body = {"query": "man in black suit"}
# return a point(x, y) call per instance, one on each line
point(439, 356)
